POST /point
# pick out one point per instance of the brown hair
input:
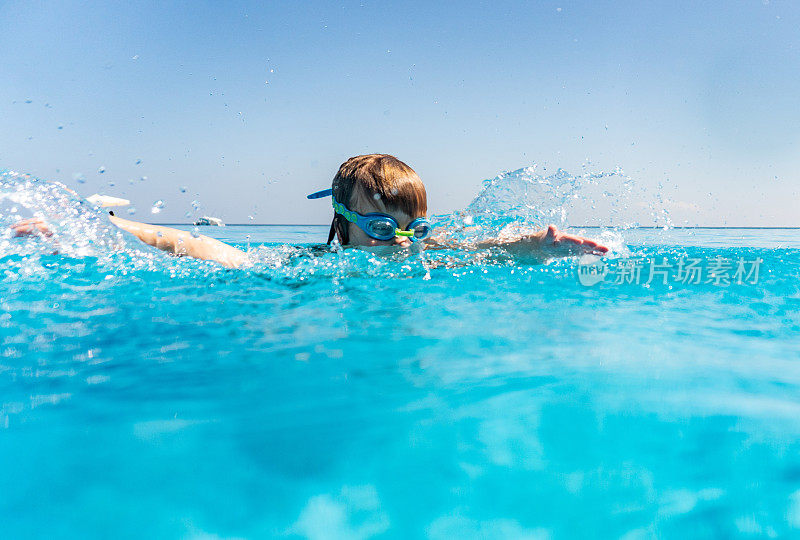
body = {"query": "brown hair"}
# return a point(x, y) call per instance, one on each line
point(377, 175)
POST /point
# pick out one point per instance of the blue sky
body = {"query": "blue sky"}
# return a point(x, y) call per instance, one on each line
point(250, 106)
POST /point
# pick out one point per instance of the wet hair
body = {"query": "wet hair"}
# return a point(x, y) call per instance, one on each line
point(379, 176)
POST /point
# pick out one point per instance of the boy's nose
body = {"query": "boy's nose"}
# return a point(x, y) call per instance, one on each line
point(402, 241)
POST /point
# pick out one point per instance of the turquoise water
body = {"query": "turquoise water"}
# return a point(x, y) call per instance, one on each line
point(357, 395)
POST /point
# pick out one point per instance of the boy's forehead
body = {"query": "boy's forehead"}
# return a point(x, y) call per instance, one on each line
point(365, 203)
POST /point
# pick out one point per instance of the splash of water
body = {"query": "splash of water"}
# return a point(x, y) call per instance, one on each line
point(78, 228)
point(522, 201)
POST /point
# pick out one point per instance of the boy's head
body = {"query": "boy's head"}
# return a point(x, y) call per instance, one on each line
point(376, 183)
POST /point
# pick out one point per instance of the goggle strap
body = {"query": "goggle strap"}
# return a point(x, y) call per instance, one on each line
point(320, 194)
point(342, 210)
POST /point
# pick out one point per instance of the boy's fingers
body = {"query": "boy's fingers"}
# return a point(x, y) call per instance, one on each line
point(30, 226)
point(588, 243)
point(572, 242)
point(28, 221)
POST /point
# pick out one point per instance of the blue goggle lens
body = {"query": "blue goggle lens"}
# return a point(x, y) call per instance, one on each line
point(381, 229)
point(422, 231)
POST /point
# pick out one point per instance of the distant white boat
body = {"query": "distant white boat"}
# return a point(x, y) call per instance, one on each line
point(208, 220)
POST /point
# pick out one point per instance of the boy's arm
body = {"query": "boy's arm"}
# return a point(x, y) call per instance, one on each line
point(166, 238)
point(546, 243)
point(183, 243)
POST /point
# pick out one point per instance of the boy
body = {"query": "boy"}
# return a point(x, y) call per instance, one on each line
point(378, 201)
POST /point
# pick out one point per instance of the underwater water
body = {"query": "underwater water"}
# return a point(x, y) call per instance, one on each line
point(350, 394)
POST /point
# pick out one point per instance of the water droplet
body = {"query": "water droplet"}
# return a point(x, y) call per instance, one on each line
point(135, 57)
point(157, 206)
point(143, 179)
point(131, 211)
point(183, 189)
point(196, 205)
point(394, 191)
point(60, 127)
point(377, 196)
point(195, 230)
point(111, 184)
point(29, 101)
point(138, 162)
point(78, 177)
point(101, 170)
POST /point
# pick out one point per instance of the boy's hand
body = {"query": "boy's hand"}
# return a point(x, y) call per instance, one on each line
point(551, 242)
point(30, 227)
point(568, 244)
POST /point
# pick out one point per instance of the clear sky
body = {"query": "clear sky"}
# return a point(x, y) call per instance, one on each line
point(251, 105)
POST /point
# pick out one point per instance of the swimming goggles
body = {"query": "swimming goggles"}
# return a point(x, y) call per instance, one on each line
point(376, 225)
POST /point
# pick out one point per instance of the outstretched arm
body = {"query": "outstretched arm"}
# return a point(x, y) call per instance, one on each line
point(181, 243)
point(549, 242)
point(166, 238)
